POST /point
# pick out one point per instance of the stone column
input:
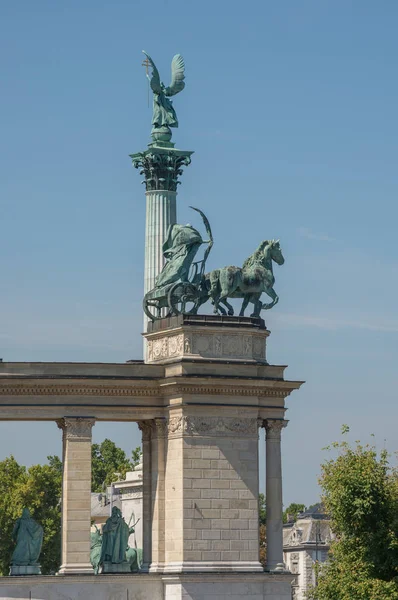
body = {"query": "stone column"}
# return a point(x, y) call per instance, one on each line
point(273, 493)
point(76, 495)
point(146, 429)
point(158, 463)
point(161, 165)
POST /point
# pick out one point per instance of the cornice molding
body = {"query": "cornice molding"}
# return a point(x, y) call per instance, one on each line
point(164, 389)
point(223, 390)
point(20, 389)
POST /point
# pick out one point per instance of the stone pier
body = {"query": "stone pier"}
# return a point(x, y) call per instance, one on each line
point(76, 495)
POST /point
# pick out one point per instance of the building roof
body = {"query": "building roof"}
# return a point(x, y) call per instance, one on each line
point(307, 531)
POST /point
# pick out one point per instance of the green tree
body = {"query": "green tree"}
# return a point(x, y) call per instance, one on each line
point(37, 488)
point(108, 462)
point(293, 510)
point(360, 493)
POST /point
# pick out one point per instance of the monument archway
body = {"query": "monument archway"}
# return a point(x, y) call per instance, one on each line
point(201, 400)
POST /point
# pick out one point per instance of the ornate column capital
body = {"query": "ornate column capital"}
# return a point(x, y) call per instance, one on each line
point(76, 428)
point(161, 167)
point(146, 429)
point(159, 428)
point(273, 428)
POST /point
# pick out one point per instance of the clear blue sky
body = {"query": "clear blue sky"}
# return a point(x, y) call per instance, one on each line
point(291, 109)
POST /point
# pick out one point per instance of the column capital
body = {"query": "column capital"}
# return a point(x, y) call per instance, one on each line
point(159, 427)
point(161, 167)
point(76, 428)
point(146, 429)
point(273, 427)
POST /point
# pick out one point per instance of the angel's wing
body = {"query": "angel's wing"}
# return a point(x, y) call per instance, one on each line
point(155, 78)
point(177, 76)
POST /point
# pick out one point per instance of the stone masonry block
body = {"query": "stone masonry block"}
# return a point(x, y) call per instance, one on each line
point(237, 484)
point(199, 483)
point(211, 534)
point(229, 494)
point(212, 453)
point(211, 556)
point(219, 484)
point(221, 524)
point(200, 463)
point(231, 534)
point(228, 513)
point(221, 544)
point(230, 555)
point(246, 514)
point(229, 474)
point(212, 493)
point(220, 503)
point(240, 524)
point(192, 453)
point(211, 473)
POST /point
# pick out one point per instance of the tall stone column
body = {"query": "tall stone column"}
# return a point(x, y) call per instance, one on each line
point(161, 166)
point(76, 495)
point(146, 429)
point(273, 493)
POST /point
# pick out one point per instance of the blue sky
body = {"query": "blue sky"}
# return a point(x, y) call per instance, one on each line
point(291, 110)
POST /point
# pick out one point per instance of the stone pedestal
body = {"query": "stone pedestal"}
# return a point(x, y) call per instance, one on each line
point(109, 567)
point(131, 497)
point(25, 570)
point(76, 495)
point(207, 337)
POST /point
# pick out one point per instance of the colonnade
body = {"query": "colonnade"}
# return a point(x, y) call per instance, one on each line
point(171, 498)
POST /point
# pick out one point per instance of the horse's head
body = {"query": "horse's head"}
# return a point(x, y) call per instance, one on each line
point(276, 252)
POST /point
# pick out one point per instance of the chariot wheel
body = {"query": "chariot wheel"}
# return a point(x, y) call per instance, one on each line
point(183, 298)
point(154, 308)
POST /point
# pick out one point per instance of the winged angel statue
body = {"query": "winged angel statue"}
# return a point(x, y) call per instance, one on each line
point(164, 115)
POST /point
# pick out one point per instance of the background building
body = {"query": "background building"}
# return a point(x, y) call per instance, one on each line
point(306, 542)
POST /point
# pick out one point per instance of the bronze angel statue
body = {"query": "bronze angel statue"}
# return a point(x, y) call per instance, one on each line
point(164, 115)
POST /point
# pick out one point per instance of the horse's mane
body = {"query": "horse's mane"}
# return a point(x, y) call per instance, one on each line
point(257, 256)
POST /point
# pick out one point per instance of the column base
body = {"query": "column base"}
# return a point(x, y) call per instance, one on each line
point(214, 567)
point(156, 568)
point(76, 569)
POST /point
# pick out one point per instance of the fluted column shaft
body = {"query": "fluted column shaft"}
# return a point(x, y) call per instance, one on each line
point(160, 214)
point(273, 493)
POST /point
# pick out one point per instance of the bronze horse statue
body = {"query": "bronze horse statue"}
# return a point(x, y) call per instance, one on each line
point(248, 282)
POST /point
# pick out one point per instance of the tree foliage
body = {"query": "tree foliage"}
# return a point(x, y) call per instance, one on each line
point(37, 488)
point(262, 509)
point(360, 493)
point(293, 510)
point(109, 463)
